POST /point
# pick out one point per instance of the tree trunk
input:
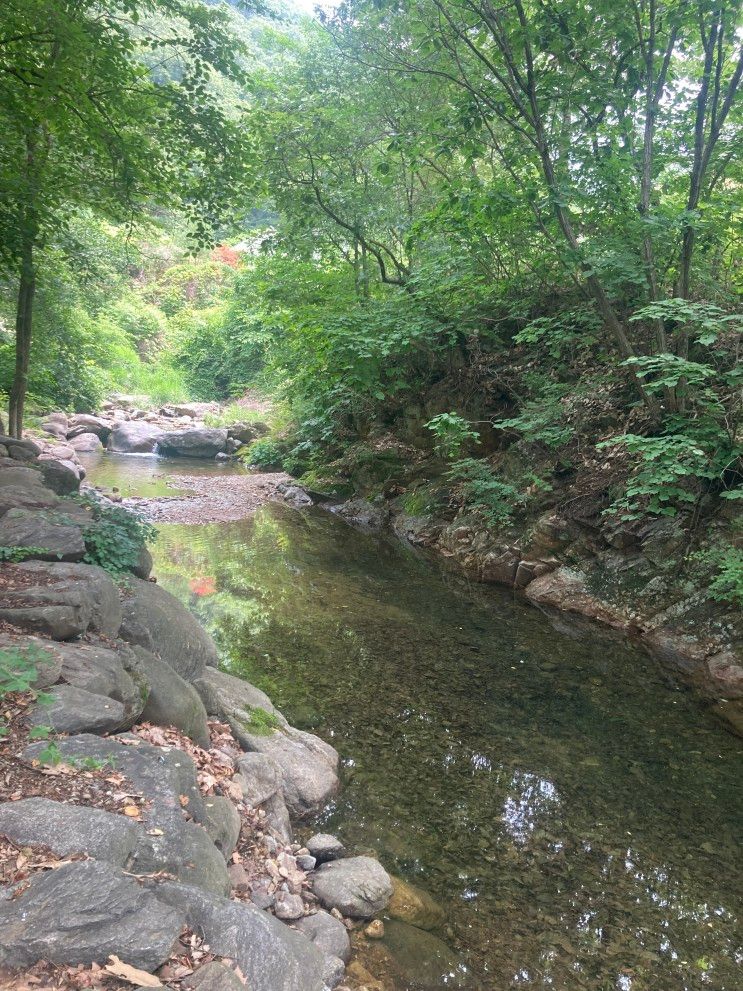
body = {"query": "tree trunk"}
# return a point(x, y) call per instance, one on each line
point(23, 330)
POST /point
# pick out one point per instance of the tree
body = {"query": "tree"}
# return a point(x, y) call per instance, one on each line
point(85, 124)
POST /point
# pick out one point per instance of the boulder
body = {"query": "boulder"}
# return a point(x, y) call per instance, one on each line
point(61, 476)
point(87, 443)
point(168, 778)
point(355, 886)
point(84, 423)
point(324, 847)
point(144, 563)
point(198, 443)
point(30, 447)
point(73, 710)
point(327, 933)
point(213, 977)
point(272, 956)
point(67, 601)
point(55, 428)
point(33, 528)
point(156, 620)
point(81, 913)
point(243, 432)
point(222, 824)
point(23, 493)
point(414, 906)
point(171, 700)
point(134, 438)
point(117, 674)
point(69, 829)
point(308, 765)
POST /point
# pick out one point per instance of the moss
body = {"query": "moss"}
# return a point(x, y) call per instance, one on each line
point(260, 722)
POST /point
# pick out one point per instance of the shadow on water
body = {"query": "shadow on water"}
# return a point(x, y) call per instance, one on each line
point(577, 816)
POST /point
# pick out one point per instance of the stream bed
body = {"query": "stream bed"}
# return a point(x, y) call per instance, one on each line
point(577, 815)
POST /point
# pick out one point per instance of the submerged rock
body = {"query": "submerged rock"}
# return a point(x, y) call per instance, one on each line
point(356, 886)
point(413, 905)
point(82, 913)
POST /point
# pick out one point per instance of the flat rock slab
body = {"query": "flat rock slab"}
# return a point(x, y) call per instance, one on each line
point(156, 620)
point(68, 600)
point(272, 956)
point(168, 778)
point(357, 886)
point(68, 829)
point(81, 914)
point(56, 541)
point(73, 710)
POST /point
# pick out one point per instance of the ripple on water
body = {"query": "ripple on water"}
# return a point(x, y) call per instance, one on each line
point(575, 813)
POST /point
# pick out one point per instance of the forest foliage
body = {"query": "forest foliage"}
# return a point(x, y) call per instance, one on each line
point(521, 221)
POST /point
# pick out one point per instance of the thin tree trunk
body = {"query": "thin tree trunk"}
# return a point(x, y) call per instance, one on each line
point(23, 332)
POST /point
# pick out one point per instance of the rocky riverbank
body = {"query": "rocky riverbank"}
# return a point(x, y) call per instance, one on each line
point(148, 799)
point(618, 577)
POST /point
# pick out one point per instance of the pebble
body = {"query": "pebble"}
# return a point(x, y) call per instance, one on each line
point(375, 929)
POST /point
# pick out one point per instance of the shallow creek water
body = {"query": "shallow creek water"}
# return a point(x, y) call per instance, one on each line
point(577, 816)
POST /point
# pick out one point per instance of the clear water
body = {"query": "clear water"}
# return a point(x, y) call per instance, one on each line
point(145, 475)
point(577, 816)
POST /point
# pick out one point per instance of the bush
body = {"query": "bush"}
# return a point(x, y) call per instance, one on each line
point(265, 453)
point(115, 538)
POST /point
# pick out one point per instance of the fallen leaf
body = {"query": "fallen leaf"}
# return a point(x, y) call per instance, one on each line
point(154, 832)
point(184, 800)
point(132, 811)
point(131, 974)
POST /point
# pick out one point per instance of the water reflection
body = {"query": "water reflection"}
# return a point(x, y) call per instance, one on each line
point(578, 818)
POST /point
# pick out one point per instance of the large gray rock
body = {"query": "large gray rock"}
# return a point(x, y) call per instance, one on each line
point(84, 423)
point(31, 447)
point(24, 491)
point(156, 620)
point(87, 443)
point(55, 541)
point(67, 601)
point(61, 475)
point(135, 437)
point(327, 933)
point(424, 960)
point(117, 674)
point(68, 829)
point(73, 710)
point(168, 778)
point(271, 956)
point(308, 765)
point(171, 700)
point(356, 886)
point(81, 914)
point(203, 442)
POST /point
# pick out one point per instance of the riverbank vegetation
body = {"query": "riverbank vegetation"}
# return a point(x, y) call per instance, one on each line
point(505, 239)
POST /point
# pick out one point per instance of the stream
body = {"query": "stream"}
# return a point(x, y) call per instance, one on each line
point(575, 813)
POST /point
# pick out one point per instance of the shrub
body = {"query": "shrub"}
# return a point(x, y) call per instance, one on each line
point(115, 538)
point(451, 432)
point(265, 453)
